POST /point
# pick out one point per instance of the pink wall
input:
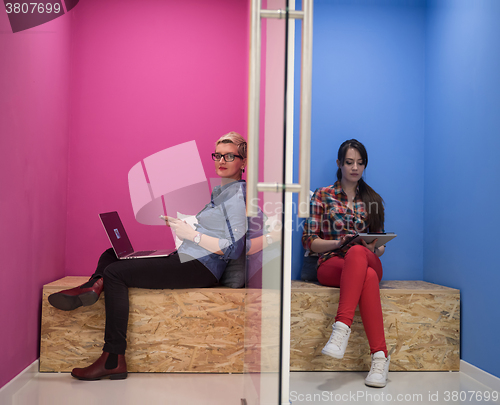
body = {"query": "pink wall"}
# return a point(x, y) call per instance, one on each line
point(144, 79)
point(84, 98)
point(34, 84)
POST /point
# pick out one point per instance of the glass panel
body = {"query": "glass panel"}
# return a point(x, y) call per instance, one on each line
point(264, 283)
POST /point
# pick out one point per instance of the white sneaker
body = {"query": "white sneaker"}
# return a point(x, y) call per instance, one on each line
point(338, 341)
point(377, 377)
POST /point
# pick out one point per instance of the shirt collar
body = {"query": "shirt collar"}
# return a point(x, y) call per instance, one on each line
point(337, 188)
point(219, 189)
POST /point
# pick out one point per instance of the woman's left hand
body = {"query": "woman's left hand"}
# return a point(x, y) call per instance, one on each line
point(182, 229)
point(370, 246)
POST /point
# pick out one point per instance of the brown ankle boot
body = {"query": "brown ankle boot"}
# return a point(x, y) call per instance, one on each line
point(98, 370)
point(86, 294)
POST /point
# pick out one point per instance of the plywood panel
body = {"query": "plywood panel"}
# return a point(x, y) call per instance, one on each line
point(216, 330)
point(192, 330)
point(422, 327)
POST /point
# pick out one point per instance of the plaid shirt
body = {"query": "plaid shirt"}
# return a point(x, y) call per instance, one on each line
point(330, 218)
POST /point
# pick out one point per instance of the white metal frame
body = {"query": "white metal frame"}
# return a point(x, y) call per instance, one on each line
point(253, 186)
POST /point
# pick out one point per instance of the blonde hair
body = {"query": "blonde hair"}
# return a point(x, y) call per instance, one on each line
point(237, 139)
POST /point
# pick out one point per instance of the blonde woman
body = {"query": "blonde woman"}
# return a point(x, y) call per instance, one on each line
point(199, 262)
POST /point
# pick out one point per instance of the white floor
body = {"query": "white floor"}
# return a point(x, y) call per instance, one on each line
point(403, 387)
point(33, 388)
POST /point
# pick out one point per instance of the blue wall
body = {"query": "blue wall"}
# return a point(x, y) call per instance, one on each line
point(418, 82)
point(462, 167)
point(368, 84)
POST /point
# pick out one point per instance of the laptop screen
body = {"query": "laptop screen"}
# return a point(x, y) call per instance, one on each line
point(116, 233)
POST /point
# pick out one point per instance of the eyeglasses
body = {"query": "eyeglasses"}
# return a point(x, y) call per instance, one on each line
point(228, 157)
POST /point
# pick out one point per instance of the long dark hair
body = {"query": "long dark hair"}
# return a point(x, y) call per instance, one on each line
point(369, 196)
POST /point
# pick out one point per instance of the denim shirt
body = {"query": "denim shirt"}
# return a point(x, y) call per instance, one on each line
point(224, 218)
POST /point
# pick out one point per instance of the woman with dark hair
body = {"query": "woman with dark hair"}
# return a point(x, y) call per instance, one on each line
point(199, 262)
point(350, 206)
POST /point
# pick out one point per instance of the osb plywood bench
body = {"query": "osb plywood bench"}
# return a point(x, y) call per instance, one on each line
point(191, 330)
point(203, 330)
point(422, 328)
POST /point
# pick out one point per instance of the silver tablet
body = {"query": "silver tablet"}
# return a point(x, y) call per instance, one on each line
point(383, 238)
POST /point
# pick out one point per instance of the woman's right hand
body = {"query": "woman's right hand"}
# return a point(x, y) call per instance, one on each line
point(342, 240)
point(320, 245)
point(169, 220)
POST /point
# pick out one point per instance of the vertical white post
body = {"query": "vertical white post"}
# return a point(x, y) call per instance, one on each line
point(287, 241)
point(305, 108)
point(253, 109)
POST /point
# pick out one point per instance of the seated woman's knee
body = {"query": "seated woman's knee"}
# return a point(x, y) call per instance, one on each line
point(113, 270)
point(371, 276)
point(356, 250)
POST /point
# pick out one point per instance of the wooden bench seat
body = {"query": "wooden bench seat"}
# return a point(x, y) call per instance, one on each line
point(422, 328)
point(203, 330)
point(191, 330)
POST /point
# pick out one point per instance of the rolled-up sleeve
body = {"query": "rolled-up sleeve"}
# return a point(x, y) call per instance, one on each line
point(312, 225)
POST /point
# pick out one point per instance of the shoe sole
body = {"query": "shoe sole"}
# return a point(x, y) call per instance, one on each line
point(70, 302)
point(375, 384)
point(121, 376)
point(334, 355)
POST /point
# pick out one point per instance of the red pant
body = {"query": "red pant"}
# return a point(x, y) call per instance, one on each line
point(358, 276)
